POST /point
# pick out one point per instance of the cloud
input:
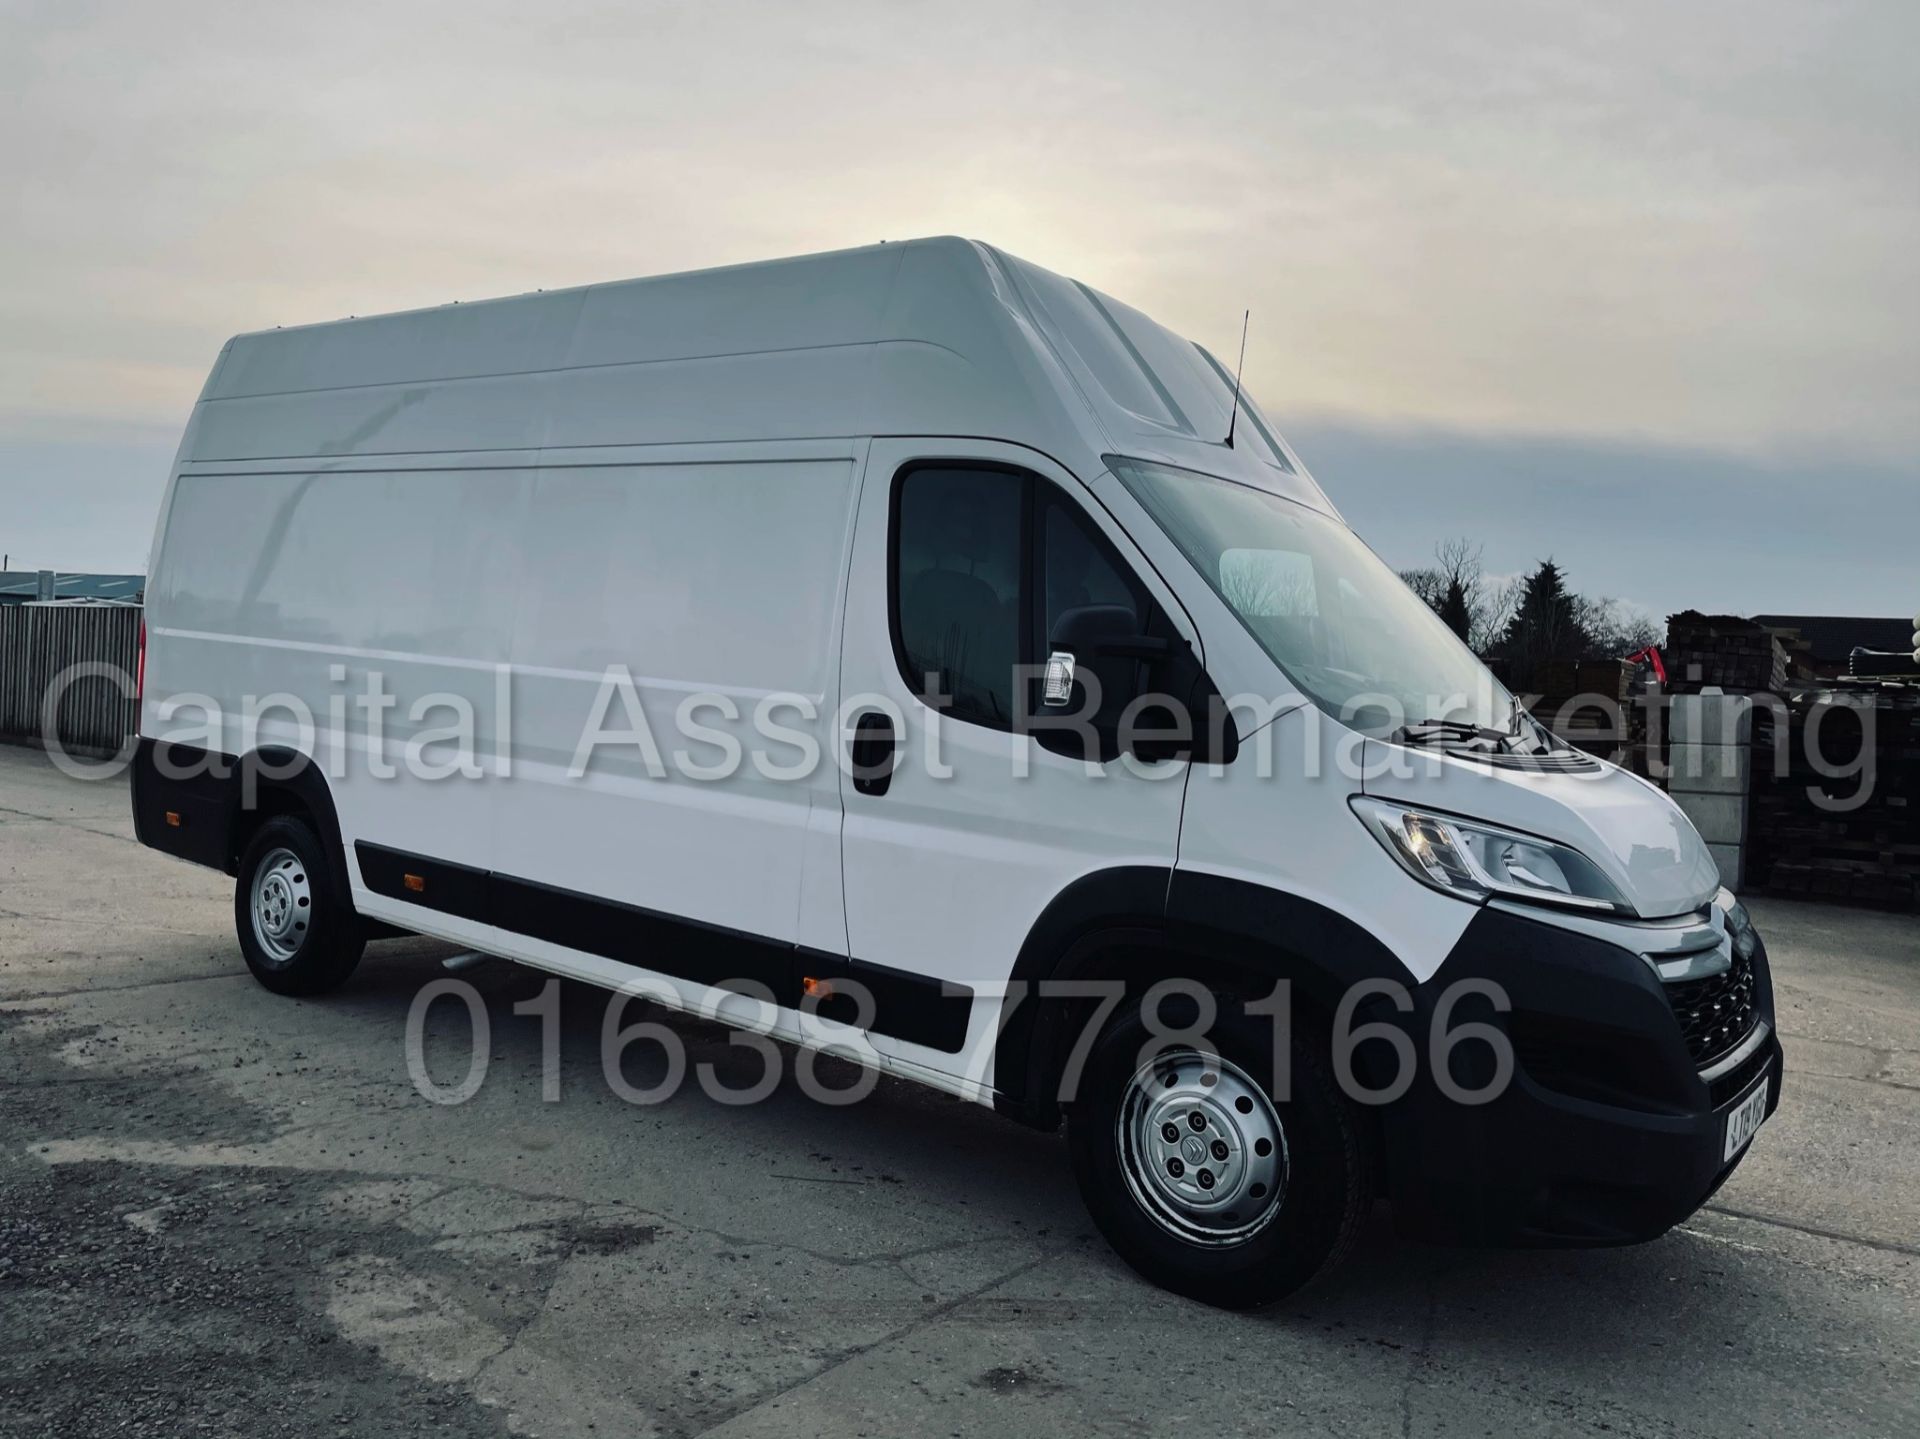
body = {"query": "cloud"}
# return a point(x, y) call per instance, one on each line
point(1686, 229)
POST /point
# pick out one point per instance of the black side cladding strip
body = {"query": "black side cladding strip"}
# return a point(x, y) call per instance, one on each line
point(456, 889)
point(191, 785)
point(644, 938)
point(906, 1006)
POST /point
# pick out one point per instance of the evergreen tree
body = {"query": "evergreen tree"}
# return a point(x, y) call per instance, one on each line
point(1456, 609)
point(1546, 624)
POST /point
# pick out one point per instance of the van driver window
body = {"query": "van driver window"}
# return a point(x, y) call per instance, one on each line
point(957, 589)
point(1079, 569)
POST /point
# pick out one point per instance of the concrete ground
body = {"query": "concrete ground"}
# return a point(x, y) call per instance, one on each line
point(223, 1212)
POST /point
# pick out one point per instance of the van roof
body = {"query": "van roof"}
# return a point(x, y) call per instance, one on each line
point(939, 336)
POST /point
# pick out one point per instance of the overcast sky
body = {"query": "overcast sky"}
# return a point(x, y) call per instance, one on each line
point(1634, 286)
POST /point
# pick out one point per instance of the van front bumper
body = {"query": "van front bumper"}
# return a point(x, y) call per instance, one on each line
point(1608, 1131)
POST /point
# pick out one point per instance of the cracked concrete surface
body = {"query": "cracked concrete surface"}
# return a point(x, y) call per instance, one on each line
point(230, 1213)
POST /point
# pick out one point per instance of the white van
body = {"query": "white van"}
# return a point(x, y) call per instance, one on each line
point(910, 650)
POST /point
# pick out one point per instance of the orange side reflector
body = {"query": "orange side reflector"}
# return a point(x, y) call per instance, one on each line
point(416, 882)
point(173, 818)
point(816, 988)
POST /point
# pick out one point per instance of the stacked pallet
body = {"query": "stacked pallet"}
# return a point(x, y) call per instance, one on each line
point(1724, 651)
point(1600, 706)
point(1591, 704)
point(1836, 794)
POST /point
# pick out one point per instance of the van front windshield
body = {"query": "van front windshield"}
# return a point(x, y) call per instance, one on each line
point(1338, 621)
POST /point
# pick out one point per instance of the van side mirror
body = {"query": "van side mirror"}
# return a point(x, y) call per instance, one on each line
point(1110, 686)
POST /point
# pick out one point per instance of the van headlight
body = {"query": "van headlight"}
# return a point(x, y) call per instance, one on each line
point(1476, 861)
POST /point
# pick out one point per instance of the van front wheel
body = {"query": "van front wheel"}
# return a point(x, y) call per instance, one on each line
point(1200, 1177)
point(298, 936)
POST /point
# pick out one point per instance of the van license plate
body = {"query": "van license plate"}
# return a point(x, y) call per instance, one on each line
point(1743, 1119)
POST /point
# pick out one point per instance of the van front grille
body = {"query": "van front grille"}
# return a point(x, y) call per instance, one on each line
point(1717, 1012)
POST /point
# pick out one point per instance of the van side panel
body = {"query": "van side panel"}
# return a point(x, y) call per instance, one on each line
point(661, 596)
point(346, 614)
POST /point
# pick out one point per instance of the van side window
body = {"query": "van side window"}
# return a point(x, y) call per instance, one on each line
point(1079, 568)
point(958, 544)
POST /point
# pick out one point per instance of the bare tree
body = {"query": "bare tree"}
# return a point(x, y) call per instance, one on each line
point(1428, 583)
point(1457, 589)
point(1459, 563)
point(1616, 630)
point(1498, 604)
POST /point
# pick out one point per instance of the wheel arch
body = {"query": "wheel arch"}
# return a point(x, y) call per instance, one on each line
point(276, 780)
point(1139, 924)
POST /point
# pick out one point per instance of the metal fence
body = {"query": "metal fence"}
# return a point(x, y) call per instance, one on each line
point(39, 647)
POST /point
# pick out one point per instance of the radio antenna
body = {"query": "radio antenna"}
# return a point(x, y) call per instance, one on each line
point(1234, 418)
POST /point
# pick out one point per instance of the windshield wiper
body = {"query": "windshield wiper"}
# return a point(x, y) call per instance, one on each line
point(1416, 731)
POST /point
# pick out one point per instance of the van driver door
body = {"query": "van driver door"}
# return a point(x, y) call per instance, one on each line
point(964, 555)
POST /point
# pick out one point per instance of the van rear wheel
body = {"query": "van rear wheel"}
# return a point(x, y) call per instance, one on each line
point(298, 935)
point(1200, 1177)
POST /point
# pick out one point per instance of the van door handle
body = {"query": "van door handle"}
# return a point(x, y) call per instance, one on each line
point(874, 751)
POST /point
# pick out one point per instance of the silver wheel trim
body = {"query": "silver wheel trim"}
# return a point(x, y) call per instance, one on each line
point(1169, 1176)
point(281, 902)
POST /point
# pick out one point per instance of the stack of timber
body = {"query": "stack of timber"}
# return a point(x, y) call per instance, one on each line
point(1725, 652)
point(1836, 794)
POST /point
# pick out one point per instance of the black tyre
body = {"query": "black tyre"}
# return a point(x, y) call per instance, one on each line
point(1199, 1177)
point(298, 934)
